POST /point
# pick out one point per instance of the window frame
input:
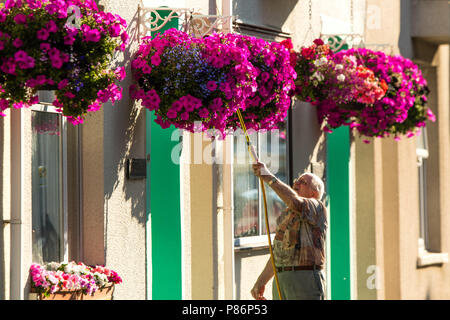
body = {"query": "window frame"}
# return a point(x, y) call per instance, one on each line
point(260, 241)
point(268, 33)
point(422, 155)
point(64, 245)
point(425, 256)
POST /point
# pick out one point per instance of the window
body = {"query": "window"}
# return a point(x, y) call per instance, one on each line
point(55, 187)
point(422, 156)
point(429, 252)
point(249, 216)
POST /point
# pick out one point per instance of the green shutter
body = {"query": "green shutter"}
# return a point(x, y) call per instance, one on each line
point(338, 184)
point(163, 204)
point(338, 156)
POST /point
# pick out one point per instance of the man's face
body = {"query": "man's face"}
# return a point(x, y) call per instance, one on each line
point(302, 185)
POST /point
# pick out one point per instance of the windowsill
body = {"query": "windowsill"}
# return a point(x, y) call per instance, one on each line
point(431, 258)
point(426, 258)
point(252, 243)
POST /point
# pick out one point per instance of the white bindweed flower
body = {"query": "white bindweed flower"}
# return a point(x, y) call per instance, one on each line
point(339, 67)
point(318, 76)
point(341, 77)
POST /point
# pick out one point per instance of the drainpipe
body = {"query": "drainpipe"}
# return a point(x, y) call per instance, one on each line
point(227, 204)
point(17, 130)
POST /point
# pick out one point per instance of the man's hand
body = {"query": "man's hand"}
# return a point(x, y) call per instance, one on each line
point(260, 169)
point(258, 291)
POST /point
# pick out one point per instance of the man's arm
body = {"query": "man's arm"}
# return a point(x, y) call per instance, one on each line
point(260, 284)
point(286, 193)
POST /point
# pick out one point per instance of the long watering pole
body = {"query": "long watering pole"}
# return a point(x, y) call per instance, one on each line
point(252, 151)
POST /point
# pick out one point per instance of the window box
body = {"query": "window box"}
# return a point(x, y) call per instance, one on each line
point(105, 293)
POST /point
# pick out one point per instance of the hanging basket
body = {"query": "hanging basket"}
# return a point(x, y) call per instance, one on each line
point(402, 109)
point(311, 66)
point(192, 83)
point(198, 84)
point(267, 106)
point(42, 48)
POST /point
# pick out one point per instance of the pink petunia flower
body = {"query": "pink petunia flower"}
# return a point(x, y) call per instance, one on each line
point(203, 113)
point(62, 84)
point(211, 85)
point(20, 55)
point(17, 43)
point(171, 114)
point(184, 116)
point(69, 40)
point(114, 30)
point(51, 26)
point(155, 60)
point(20, 18)
point(43, 34)
point(44, 46)
point(431, 115)
point(120, 73)
point(93, 35)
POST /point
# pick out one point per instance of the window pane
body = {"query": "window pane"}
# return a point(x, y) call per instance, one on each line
point(245, 187)
point(423, 202)
point(421, 140)
point(273, 153)
point(47, 215)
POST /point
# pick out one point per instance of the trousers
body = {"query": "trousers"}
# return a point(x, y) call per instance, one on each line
point(300, 285)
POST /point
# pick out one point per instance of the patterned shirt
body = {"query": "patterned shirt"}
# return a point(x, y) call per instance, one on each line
point(300, 235)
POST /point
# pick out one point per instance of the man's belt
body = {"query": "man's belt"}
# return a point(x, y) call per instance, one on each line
point(296, 268)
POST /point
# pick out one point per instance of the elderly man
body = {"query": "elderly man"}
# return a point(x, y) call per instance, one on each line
point(299, 244)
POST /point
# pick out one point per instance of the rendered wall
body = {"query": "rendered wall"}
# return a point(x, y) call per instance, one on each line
point(120, 131)
point(387, 225)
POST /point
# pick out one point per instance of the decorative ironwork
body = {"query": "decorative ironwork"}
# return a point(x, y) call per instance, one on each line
point(201, 25)
point(196, 24)
point(152, 19)
point(339, 41)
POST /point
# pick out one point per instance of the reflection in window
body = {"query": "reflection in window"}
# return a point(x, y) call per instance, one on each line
point(47, 214)
point(249, 217)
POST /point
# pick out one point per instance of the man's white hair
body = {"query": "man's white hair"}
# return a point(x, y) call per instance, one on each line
point(316, 184)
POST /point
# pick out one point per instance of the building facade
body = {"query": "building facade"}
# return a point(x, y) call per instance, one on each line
point(192, 226)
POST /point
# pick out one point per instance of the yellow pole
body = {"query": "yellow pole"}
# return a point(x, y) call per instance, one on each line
point(255, 158)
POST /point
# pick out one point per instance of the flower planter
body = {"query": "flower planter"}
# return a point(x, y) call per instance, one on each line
point(61, 295)
point(191, 83)
point(72, 281)
point(105, 293)
point(198, 84)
